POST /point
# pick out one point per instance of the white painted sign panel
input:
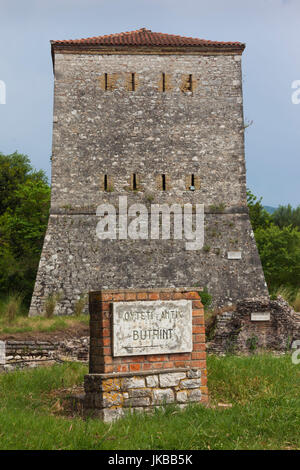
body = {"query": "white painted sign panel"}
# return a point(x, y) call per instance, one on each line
point(260, 316)
point(152, 327)
point(234, 255)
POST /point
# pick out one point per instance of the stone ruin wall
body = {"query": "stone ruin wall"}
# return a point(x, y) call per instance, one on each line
point(23, 353)
point(235, 332)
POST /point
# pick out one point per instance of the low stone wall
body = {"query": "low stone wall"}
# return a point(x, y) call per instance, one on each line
point(238, 331)
point(21, 354)
point(109, 396)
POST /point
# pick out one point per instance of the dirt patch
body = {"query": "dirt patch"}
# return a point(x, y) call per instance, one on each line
point(72, 332)
point(66, 392)
point(65, 402)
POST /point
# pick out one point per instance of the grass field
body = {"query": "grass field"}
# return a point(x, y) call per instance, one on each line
point(264, 392)
point(24, 324)
point(14, 319)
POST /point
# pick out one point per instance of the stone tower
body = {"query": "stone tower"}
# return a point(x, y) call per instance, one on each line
point(157, 118)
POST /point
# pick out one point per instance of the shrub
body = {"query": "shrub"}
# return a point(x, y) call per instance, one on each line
point(252, 343)
point(290, 294)
point(210, 324)
point(206, 298)
point(12, 307)
point(296, 302)
point(79, 305)
point(50, 304)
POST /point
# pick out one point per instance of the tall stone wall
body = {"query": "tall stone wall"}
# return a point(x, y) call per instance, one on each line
point(147, 132)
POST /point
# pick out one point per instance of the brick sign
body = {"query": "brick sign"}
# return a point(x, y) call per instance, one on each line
point(154, 327)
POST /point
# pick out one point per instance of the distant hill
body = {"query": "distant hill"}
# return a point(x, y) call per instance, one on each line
point(270, 209)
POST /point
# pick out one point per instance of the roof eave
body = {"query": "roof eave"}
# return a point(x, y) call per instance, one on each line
point(205, 49)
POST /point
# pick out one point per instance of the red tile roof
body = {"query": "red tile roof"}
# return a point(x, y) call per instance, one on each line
point(146, 37)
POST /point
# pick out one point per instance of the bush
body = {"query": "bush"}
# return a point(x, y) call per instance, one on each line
point(296, 302)
point(50, 304)
point(206, 298)
point(79, 305)
point(290, 294)
point(12, 307)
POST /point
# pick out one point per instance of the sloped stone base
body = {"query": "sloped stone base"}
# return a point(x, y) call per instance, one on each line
point(74, 262)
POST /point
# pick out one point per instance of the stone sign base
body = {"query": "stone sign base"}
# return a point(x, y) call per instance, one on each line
point(108, 396)
point(144, 381)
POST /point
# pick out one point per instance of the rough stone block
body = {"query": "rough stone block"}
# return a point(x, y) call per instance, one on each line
point(152, 381)
point(112, 414)
point(182, 396)
point(193, 373)
point(140, 392)
point(195, 395)
point(133, 382)
point(112, 399)
point(111, 385)
point(172, 379)
point(190, 383)
point(163, 396)
point(142, 401)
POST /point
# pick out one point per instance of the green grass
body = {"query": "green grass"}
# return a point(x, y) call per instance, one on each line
point(14, 318)
point(42, 324)
point(19, 322)
point(264, 392)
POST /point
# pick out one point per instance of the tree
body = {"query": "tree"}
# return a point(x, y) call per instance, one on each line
point(278, 241)
point(15, 170)
point(286, 215)
point(279, 251)
point(24, 209)
point(259, 217)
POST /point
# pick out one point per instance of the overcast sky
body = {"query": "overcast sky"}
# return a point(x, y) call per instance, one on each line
point(271, 62)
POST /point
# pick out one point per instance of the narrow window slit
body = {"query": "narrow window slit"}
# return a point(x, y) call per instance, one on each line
point(163, 182)
point(105, 82)
point(105, 183)
point(133, 81)
point(134, 183)
point(163, 82)
point(190, 82)
point(193, 180)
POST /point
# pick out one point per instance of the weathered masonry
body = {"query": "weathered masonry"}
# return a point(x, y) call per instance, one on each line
point(157, 118)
